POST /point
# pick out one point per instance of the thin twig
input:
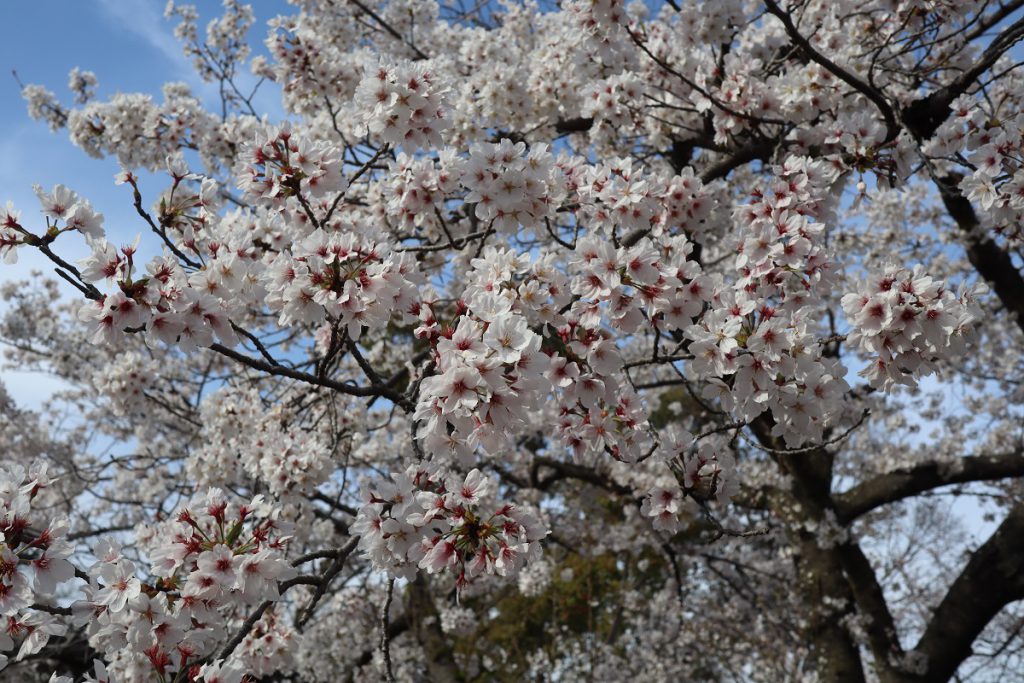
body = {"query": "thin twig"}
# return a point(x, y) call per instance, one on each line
point(385, 638)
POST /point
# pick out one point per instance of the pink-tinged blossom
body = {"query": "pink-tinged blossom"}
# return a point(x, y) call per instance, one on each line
point(905, 322)
point(597, 266)
point(455, 527)
point(221, 672)
point(119, 585)
point(259, 573)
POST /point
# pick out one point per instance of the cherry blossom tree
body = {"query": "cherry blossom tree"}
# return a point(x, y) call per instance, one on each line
point(578, 342)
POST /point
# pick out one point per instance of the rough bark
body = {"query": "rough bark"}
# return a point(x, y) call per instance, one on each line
point(991, 262)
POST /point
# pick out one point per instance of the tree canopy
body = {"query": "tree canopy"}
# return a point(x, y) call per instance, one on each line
point(575, 342)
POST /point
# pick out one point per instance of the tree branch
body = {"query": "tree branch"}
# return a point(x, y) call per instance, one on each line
point(910, 481)
point(426, 624)
point(924, 116)
point(991, 262)
point(993, 578)
point(892, 126)
point(341, 387)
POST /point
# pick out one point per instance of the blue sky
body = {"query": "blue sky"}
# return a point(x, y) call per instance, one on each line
point(131, 48)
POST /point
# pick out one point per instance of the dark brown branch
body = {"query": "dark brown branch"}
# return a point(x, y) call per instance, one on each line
point(426, 625)
point(991, 262)
point(891, 125)
point(993, 578)
point(883, 638)
point(923, 117)
point(283, 371)
point(580, 124)
point(396, 627)
point(389, 28)
point(821, 570)
point(758, 149)
point(568, 470)
point(160, 230)
point(255, 615)
point(355, 176)
point(87, 289)
point(910, 481)
point(385, 636)
point(321, 587)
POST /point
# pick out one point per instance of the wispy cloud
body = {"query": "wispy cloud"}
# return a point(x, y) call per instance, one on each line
point(145, 19)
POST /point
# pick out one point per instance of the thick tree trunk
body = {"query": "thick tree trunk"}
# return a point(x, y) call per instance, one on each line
point(822, 585)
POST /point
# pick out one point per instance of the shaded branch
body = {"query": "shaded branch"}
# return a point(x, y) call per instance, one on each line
point(924, 116)
point(426, 625)
point(993, 578)
point(910, 481)
point(991, 261)
point(341, 387)
point(579, 124)
point(891, 125)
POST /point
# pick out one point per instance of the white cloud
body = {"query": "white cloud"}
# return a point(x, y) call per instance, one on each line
point(145, 19)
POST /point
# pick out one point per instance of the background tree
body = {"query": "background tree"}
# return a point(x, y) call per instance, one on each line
point(586, 342)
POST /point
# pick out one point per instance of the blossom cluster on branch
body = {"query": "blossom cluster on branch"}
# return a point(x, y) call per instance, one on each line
point(520, 347)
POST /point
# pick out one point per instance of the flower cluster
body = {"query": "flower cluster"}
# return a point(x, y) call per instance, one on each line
point(624, 288)
point(33, 561)
point(614, 100)
point(43, 105)
point(161, 302)
point(342, 277)
point(687, 204)
point(308, 65)
point(601, 21)
point(491, 369)
point(994, 149)
point(125, 381)
point(906, 321)
point(618, 196)
point(417, 189)
point(211, 556)
point(598, 411)
point(140, 132)
point(510, 185)
point(457, 620)
point(488, 373)
point(664, 504)
point(10, 233)
point(502, 280)
point(65, 211)
point(268, 648)
point(82, 84)
point(281, 164)
point(428, 519)
point(753, 344)
point(240, 436)
point(517, 239)
point(403, 105)
point(704, 472)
